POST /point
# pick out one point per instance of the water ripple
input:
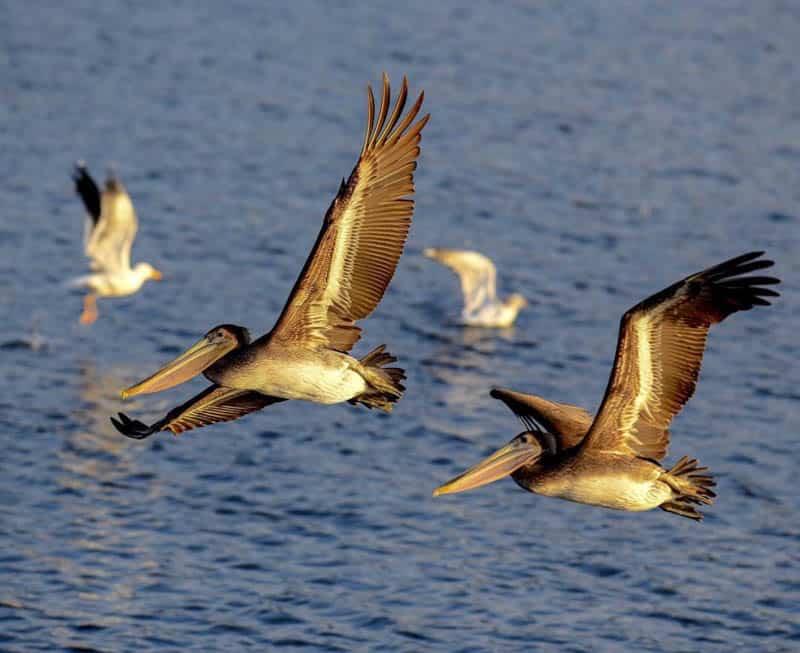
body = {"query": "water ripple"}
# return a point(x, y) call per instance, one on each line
point(596, 155)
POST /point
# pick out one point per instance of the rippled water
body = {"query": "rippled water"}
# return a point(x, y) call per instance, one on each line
point(597, 155)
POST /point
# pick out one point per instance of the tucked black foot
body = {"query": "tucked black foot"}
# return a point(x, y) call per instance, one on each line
point(132, 428)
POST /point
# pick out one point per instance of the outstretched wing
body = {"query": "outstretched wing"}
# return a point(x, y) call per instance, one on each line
point(212, 405)
point(569, 424)
point(475, 271)
point(660, 350)
point(90, 194)
point(362, 236)
point(111, 224)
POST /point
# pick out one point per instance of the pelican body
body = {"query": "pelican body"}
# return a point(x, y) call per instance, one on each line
point(110, 230)
point(612, 460)
point(613, 481)
point(327, 377)
point(306, 354)
point(478, 277)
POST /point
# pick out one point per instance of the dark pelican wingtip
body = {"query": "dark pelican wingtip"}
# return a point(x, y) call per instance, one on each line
point(132, 428)
point(87, 190)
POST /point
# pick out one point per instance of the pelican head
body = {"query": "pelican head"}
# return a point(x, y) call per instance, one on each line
point(446, 256)
point(517, 301)
point(113, 183)
point(147, 271)
point(218, 342)
point(522, 451)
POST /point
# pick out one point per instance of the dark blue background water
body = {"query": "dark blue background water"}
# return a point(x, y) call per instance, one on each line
point(597, 154)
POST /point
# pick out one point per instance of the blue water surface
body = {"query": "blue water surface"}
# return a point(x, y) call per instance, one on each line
point(597, 152)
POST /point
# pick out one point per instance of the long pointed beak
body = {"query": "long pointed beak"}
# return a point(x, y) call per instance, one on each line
point(189, 364)
point(500, 464)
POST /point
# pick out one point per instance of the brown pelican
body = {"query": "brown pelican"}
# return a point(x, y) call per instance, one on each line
point(305, 355)
point(109, 233)
point(482, 308)
point(612, 460)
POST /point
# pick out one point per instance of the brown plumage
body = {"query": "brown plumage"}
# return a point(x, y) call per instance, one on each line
point(566, 422)
point(344, 278)
point(362, 236)
point(659, 353)
point(214, 404)
point(660, 350)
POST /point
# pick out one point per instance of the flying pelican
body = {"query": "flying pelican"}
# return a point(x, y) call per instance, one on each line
point(482, 308)
point(109, 233)
point(612, 460)
point(305, 355)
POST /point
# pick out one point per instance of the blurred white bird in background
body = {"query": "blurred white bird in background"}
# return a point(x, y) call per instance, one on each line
point(110, 230)
point(478, 276)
